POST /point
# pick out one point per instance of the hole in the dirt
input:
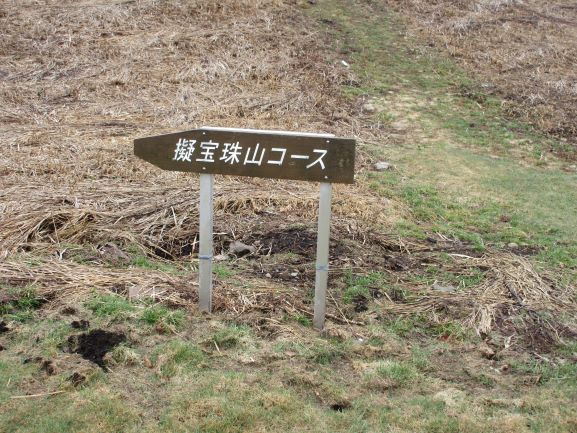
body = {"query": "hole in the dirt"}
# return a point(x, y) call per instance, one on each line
point(163, 254)
point(3, 328)
point(48, 367)
point(95, 344)
point(340, 406)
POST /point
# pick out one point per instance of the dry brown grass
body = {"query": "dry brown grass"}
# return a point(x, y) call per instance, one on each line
point(81, 80)
point(525, 50)
point(513, 298)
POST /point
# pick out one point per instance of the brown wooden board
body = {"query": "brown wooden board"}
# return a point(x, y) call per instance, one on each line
point(268, 154)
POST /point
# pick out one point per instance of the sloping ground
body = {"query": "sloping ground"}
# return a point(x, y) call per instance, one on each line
point(82, 80)
point(524, 51)
point(435, 304)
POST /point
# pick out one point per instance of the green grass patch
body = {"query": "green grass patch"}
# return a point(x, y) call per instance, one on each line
point(110, 306)
point(402, 326)
point(155, 315)
point(13, 373)
point(360, 285)
point(222, 271)
point(177, 357)
point(326, 351)
point(458, 177)
point(568, 349)
point(145, 262)
point(423, 324)
point(231, 336)
point(21, 304)
point(420, 357)
point(564, 372)
point(124, 355)
point(318, 351)
point(448, 330)
point(303, 320)
point(86, 411)
point(402, 373)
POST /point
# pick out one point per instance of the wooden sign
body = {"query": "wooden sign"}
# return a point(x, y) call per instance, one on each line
point(255, 153)
point(245, 152)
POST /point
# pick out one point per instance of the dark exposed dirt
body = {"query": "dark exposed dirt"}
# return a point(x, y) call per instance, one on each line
point(6, 298)
point(80, 324)
point(3, 328)
point(95, 344)
point(341, 406)
point(535, 331)
point(76, 379)
point(299, 241)
point(361, 303)
point(185, 246)
point(398, 262)
point(68, 311)
point(48, 367)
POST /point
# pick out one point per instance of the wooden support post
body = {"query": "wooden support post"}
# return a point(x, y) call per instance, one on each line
point(205, 247)
point(322, 271)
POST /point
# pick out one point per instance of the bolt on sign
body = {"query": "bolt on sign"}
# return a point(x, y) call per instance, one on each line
point(320, 158)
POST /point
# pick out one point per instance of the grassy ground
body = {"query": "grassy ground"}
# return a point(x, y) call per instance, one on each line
point(195, 374)
point(462, 168)
point(469, 188)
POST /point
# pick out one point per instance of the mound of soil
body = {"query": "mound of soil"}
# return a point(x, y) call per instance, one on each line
point(95, 344)
point(294, 240)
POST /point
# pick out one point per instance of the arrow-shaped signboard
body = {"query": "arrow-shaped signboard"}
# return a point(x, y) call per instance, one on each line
point(245, 152)
point(237, 152)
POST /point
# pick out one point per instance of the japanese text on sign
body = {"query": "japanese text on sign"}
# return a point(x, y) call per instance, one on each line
point(232, 153)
